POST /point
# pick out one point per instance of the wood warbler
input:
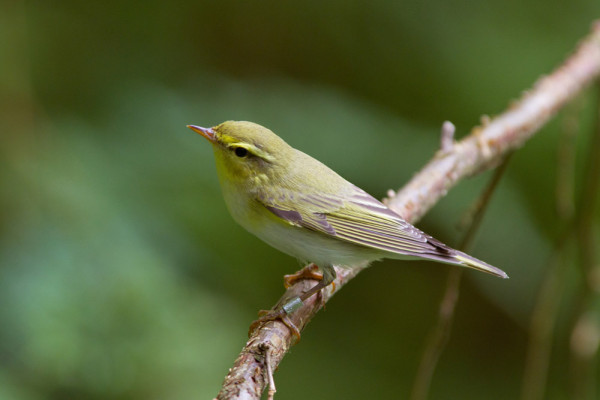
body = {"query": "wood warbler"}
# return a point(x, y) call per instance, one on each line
point(301, 207)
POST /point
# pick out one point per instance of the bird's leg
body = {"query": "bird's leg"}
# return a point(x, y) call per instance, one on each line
point(272, 315)
point(326, 278)
point(311, 271)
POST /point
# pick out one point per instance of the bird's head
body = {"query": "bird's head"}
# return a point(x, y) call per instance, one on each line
point(245, 152)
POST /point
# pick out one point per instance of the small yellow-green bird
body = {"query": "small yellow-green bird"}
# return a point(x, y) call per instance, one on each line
point(301, 207)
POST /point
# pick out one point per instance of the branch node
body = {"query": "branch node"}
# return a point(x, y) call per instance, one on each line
point(447, 140)
point(272, 388)
point(485, 119)
point(390, 194)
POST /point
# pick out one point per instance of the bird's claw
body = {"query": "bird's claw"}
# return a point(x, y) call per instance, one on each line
point(311, 271)
point(273, 315)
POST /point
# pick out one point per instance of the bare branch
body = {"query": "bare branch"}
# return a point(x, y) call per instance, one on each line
point(482, 149)
point(486, 144)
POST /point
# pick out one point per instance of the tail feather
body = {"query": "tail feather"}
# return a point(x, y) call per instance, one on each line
point(456, 257)
point(471, 262)
point(449, 255)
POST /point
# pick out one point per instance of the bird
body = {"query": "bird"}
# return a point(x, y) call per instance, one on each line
point(303, 208)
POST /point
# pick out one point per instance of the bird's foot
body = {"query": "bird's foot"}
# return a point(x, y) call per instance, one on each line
point(311, 271)
point(273, 315)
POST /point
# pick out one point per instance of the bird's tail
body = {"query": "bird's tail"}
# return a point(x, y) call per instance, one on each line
point(449, 255)
point(471, 262)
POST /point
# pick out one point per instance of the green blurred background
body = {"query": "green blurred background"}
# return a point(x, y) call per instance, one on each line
point(123, 276)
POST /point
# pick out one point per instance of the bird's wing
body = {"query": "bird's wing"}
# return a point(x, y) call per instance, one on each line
point(357, 217)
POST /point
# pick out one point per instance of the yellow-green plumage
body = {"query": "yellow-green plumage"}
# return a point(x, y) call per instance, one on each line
point(301, 207)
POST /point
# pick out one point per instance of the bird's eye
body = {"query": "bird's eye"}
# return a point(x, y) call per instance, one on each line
point(241, 152)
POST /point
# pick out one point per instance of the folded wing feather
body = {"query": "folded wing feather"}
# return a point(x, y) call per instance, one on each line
point(358, 218)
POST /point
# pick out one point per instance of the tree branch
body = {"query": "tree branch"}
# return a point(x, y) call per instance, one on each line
point(482, 149)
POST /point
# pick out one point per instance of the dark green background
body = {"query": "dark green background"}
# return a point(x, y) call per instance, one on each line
point(123, 276)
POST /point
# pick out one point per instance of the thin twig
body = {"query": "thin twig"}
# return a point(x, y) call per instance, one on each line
point(438, 337)
point(440, 334)
point(545, 311)
point(585, 336)
point(447, 137)
point(480, 150)
point(272, 389)
point(543, 318)
point(566, 153)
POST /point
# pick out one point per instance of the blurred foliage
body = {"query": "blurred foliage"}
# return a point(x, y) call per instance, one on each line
point(121, 273)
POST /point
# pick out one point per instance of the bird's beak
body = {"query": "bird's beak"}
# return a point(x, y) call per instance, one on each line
point(208, 133)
